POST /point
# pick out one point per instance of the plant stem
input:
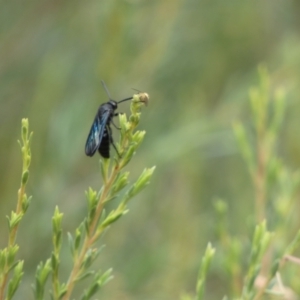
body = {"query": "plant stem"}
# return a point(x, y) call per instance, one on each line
point(260, 177)
point(13, 233)
point(92, 236)
point(93, 232)
point(4, 281)
point(12, 239)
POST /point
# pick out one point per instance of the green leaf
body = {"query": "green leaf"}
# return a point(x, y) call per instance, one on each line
point(25, 203)
point(15, 280)
point(25, 177)
point(71, 244)
point(41, 276)
point(138, 137)
point(90, 257)
point(14, 220)
point(11, 254)
point(275, 267)
point(92, 204)
point(113, 216)
point(78, 234)
point(120, 183)
point(141, 183)
point(98, 282)
point(62, 291)
point(85, 275)
point(3, 259)
point(54, 262)
point(56, 221)
point(104, 164)
point(86, 226)
point(293, 245)
point(24, 131)
point(128, 155)
point(205, 263)
point(57, 230)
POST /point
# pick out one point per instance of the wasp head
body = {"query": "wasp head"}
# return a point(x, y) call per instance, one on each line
point(113, 103)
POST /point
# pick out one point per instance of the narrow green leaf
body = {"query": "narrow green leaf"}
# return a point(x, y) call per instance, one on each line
point(15, 280)
point(14, 220)
point(25, 203)
point(78, 234)
point(90, 257)
point(205, 263)
point(41, 276)
point(62, 291)
point(98, 281)
point(141, 183)
point(138, 137)
point(71, 244)
point(85, 275)
point(25, 177)
point(120, 183)
point(293, 245)
point(56, 221)
point(54, 262)
point(24, 131)
point(128, 155)
point(3, 259)
point(104, 164)
point(244, 146)
point(11, 254)
point(113, 216)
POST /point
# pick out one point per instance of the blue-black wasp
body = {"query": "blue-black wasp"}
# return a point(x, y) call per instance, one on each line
point(100, 135)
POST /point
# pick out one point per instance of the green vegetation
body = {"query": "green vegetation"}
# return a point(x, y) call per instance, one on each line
point(227, 158)
point(259, 271)
point(83, 245)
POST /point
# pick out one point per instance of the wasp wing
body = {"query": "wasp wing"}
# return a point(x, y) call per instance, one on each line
point(96, 133)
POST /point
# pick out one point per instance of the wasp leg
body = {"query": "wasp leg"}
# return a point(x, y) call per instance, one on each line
point(112, 121)
point(118, 113)
point(112, 141)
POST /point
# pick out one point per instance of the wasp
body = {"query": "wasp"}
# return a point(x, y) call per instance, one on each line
point(100, 135)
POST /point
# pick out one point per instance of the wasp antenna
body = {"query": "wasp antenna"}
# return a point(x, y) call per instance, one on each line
point(136, 90)
point(106, 90)
point(126, 99)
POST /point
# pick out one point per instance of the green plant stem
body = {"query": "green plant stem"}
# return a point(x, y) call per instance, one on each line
point(283, 261)
point(92, 237)
point(260, 177)
point(12, 238)
point(13, 233)
point(234, 272)
point(260, 186)
point(3, 285)
point(93, 232)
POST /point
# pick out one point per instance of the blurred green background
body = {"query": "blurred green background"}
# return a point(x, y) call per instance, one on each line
point(197, 60)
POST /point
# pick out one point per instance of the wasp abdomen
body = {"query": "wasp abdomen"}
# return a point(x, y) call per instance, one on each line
point(104, 146)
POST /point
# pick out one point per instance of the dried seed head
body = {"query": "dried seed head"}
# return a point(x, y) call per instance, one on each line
point(144, 97)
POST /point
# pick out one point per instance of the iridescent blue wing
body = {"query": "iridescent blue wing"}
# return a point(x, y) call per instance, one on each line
point(96, 133)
